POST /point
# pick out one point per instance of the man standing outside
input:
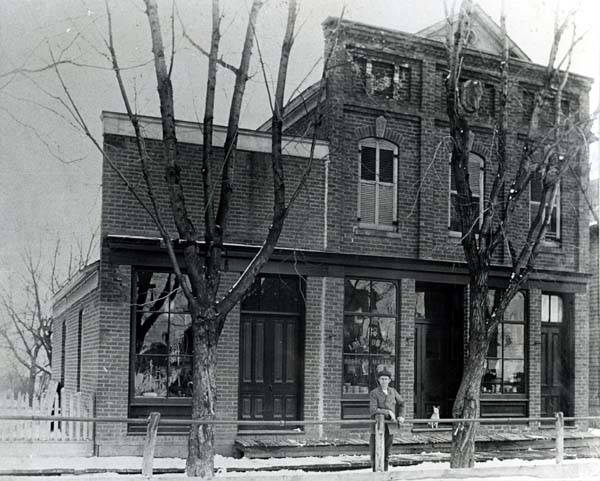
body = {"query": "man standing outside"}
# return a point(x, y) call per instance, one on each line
point(384, 400)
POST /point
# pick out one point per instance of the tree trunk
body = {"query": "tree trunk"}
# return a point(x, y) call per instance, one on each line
point(201, 454)
point(31, 382)
point(466, 405)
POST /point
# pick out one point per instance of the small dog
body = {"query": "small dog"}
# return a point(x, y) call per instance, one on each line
point(435, 417)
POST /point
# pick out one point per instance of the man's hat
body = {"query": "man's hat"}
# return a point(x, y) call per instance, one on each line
point(384, 372)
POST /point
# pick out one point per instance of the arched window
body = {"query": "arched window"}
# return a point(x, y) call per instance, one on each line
point(476, 171)
point(378, 184)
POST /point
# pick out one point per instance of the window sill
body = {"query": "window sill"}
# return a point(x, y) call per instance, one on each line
point(371, 230)
point(454, 234)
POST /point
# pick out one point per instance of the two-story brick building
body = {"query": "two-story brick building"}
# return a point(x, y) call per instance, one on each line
point(369, 271)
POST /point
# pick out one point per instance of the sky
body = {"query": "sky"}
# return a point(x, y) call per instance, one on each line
point(50, 174)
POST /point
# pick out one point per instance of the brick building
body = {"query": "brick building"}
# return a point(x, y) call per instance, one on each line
point(369, 270)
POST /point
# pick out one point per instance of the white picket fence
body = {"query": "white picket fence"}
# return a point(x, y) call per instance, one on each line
point(67, 404)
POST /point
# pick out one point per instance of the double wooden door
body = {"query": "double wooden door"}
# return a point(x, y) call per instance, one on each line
point(270, 368)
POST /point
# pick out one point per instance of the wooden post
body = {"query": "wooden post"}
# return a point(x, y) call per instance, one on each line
point(560, 437)
point(150, 444)
point(379, 443)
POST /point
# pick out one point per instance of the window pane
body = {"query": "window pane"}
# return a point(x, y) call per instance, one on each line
point(514, 376)
point(152, 333)
point(356, 374)
point(150, 378)
point(382, 336)
point(495, 347)
point(454, 219)
point(515, 312)
point(383, 297)
point(420, 305)
point(536, 187)
point(383, 79)
point(180, 382)
point(514, 341)
point(475, 174)
point(552, 230)
point(386, 166)
point(404, 83)
point(356, 334)
point(367, 163)
point(492, 377)
point(356, 295)
point(180, 334)
point(153, 290)
point(545, 308)
point(556, 309)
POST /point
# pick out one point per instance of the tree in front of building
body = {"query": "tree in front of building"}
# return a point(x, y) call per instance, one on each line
point(197, 252)
point(555, 144)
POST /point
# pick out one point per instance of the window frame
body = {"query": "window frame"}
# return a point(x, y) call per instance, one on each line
point(502, 358)
point(378, 144)
point(153, 400)
point(551, 237)
point(401, 69)
point(451, 192)
point(349, 397)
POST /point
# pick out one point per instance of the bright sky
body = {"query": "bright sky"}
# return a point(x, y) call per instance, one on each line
point(50, 174)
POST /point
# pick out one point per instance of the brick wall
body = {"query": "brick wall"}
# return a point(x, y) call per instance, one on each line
point(534, 319)
point(89, 306)
point(251, 206)
point(594, 326)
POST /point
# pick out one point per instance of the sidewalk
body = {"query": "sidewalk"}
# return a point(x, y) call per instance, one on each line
point(573, 470)
point(106, 469)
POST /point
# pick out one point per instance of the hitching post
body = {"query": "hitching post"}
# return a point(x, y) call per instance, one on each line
point(150, 444)
point(379, 442)
point(560, 437)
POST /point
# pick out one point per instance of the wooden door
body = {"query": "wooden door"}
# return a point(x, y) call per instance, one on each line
point(270, 387)
point(556, 372)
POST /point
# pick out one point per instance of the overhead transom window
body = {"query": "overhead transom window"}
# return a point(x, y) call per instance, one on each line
point(378, 174)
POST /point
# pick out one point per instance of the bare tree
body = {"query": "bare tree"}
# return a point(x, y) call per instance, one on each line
point(197, 273)
point(26, 325)
point(547, 154)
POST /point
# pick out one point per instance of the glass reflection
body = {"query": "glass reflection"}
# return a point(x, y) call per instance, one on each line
point(383, 297)
point(514, 376)
point(356, 295)
point(492, 378)
point(514, 341)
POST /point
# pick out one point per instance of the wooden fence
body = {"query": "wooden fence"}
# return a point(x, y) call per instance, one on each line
point(65, 403)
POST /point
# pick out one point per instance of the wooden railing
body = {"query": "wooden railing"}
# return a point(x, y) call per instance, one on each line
point(154, 420)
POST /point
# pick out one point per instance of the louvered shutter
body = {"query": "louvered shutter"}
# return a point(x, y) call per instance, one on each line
point(367, 202)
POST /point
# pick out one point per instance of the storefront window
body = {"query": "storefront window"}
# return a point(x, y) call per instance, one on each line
point(370, 318)
point(505, 369)
point(162, 336)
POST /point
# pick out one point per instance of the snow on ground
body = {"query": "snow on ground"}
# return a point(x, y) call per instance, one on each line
point(581, 469)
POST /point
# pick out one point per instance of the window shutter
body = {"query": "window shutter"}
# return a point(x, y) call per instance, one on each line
point(386, 204)
point(367, 202)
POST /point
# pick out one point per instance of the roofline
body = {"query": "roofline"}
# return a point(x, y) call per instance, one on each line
point(115, 123)
point(486, 18)
point(411, 36)
point(82, 283)
point(307, 98)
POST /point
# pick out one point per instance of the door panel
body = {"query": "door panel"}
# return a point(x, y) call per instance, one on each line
point(269, 368)
point(556, 370)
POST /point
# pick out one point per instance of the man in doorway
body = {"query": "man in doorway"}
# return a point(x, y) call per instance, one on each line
point(385, 400)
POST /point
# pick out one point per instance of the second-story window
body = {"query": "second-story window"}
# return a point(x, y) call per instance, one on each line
point(476, 171)
point(536, 191)
point(377, 193)
point(384, 79)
